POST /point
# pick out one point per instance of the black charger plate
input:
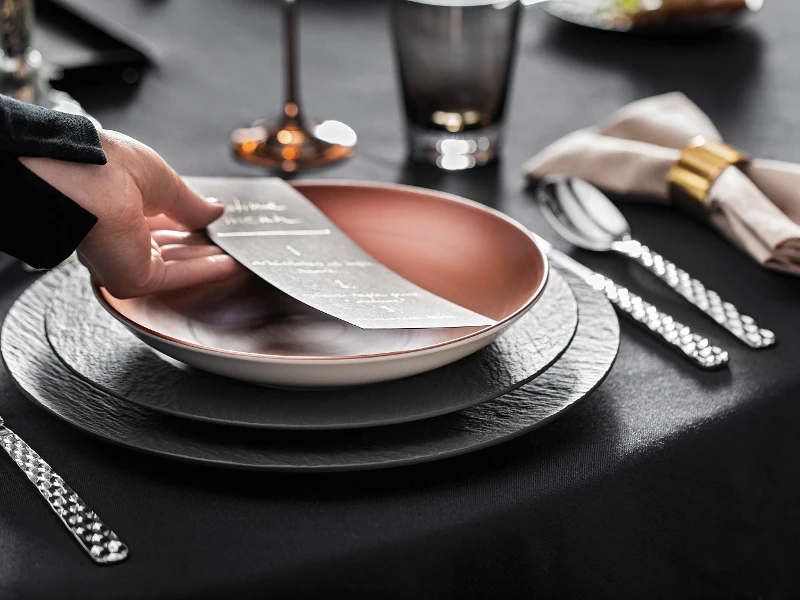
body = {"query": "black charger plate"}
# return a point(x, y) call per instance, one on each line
point(101, 351)
point(49, 383)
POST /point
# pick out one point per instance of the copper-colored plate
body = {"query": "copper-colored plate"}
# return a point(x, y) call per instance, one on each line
point(245, 328)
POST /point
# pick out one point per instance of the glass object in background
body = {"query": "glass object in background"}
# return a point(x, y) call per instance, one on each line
point(22, 74)
point(293, 142)
point(454, 60)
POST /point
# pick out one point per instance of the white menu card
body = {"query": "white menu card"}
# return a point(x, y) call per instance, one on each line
point(279, 235)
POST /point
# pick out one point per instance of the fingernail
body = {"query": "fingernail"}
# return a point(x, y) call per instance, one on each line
point(211, 200)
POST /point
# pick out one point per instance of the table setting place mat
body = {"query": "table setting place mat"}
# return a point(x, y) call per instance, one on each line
point(100, 350)
point(48, 382)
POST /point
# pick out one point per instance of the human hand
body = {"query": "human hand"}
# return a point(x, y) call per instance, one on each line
point(143, 241)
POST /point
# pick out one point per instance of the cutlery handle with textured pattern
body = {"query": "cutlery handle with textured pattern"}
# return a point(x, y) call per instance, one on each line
point(99, 541)
point(693, 346)
point(724, 313)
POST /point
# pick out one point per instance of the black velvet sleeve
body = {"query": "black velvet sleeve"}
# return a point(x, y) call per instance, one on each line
point(39, 224)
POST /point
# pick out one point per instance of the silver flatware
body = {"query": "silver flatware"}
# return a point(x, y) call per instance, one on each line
point(677, 336)
point(102, 544)
point(584, 216)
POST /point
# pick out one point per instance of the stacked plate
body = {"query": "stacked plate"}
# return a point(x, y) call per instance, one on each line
point(239, 374)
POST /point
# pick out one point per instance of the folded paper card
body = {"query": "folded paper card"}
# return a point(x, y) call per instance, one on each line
point(277, 233)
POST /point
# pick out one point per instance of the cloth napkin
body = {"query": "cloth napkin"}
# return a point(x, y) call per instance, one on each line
point(756, 206)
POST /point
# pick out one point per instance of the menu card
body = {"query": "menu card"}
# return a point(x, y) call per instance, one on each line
point(277, 233)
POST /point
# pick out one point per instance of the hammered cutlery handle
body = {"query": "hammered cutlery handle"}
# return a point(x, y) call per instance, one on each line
point(726, 314)
point(694, 347)
point(99, 541)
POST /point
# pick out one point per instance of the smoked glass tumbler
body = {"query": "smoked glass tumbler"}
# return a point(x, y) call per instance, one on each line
point(454, 61)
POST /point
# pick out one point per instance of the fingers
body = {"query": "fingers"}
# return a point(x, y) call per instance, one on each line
point(142, 264)
point(122, 259)
point(142, 242)
point(174, 267)
point(163, 191)
point(182, 245)
point(190, 209)
point(180, 274)
point(164, 222)
point(178, 252)
point(167, 260)
point(186, 238)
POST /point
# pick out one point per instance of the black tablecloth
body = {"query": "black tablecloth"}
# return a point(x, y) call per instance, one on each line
point(666, 482)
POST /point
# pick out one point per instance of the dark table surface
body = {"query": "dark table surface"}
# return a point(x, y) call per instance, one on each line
point(666, 482)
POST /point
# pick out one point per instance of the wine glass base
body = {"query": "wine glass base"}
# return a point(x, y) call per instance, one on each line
point(292, 145)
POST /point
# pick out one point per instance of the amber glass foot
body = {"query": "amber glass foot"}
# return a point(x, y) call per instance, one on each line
point(291, 145)
point(293, 142)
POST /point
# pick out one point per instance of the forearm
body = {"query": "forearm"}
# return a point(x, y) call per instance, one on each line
point(111, 212)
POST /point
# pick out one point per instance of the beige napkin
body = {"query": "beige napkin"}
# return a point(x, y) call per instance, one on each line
point(756, 206)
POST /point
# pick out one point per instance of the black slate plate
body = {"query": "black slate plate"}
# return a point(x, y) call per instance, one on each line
point(101, 351)
point(47, 382)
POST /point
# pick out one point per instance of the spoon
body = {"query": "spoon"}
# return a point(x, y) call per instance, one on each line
point(584, 216)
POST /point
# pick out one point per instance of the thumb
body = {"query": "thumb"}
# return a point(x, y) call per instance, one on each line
point(164, 191)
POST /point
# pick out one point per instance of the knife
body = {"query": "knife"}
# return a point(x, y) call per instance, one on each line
point(697, 349)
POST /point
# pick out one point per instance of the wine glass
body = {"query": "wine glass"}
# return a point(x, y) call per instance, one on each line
point(293, 142)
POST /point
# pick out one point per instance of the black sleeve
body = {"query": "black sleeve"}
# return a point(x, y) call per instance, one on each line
point(39, 224)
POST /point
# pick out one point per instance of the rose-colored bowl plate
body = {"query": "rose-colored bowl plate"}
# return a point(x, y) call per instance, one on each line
point(246, 329)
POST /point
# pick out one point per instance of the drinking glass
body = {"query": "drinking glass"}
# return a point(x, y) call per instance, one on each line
point(293, 142)
point(454, 60)
point(22, 73)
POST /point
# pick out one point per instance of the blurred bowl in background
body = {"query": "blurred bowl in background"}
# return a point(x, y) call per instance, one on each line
point(653, 16)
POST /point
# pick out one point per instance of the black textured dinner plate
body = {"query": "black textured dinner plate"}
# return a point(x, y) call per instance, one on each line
point(49, 383)
point(101, 351)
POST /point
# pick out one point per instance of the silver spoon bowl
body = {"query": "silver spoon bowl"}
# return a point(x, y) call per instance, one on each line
point(585, 217)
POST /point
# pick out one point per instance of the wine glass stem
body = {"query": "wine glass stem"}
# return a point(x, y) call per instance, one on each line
point(291, 106)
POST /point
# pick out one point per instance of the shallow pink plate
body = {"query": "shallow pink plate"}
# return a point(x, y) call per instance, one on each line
point(246, 329)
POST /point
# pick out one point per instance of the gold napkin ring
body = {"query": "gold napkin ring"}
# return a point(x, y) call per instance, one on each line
point(701, 162)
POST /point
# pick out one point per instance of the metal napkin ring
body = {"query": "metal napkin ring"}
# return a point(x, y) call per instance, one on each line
point(692, 175)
